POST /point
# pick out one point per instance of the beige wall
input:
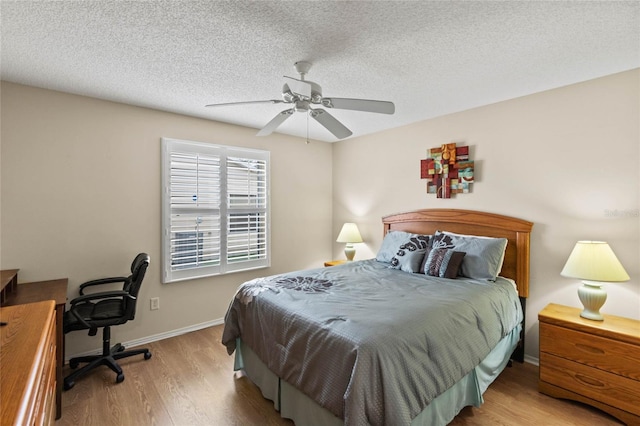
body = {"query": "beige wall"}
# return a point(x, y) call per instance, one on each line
point(81, 196)
point(80, 192)
point(566, 159)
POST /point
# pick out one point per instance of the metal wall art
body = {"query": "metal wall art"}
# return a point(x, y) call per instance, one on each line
point(447, 170)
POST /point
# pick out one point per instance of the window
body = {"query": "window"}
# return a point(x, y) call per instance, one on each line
point(214, 209)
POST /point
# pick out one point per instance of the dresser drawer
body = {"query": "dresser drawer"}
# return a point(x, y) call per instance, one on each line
point(608, 388)
point(45, 413)
point(44, 379)
point(28, 364)
point(605, 354)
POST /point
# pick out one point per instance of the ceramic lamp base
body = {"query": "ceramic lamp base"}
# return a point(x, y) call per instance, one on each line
point(350, 252)
point(592, 297)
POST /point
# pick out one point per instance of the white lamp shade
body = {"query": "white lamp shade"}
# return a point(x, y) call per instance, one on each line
point(349, 234)
point(594, 261)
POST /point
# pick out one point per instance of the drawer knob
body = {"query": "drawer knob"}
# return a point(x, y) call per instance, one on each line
point(589, 349)
point(589, 381)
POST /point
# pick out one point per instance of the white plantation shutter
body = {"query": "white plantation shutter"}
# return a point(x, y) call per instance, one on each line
point(215, 209)
point(247, 211)
point(194, 191)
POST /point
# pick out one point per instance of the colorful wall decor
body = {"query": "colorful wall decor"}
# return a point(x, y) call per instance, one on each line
point(447, 170)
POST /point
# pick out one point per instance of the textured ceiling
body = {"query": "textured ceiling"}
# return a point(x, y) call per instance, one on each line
point(429, 58)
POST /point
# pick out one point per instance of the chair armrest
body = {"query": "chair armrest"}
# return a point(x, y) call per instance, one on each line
point(101, 295)
point(102, 281)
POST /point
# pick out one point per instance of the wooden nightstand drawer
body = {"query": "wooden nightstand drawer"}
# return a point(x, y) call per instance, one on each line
point(611, 389)
point(594, 362)
point(605, 354)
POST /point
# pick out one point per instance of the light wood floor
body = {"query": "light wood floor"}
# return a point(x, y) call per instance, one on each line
point(189, 381)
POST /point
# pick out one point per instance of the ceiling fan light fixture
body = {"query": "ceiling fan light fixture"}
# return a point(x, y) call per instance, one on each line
point(302, 106)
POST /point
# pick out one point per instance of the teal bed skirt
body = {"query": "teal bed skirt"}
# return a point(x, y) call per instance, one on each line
point(294, 405)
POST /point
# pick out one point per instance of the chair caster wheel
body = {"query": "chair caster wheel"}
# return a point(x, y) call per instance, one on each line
point(120, 378)
point(147, 355)
point(73, 364)
point(68, 384)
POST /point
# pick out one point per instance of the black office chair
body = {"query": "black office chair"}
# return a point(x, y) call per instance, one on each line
point(102, 310)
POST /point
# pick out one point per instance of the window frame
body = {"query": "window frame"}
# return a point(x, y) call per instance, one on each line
point(226, 212)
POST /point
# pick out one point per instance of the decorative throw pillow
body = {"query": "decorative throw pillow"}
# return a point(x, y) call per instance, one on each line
point(484, 255)
point(443, 263)
point(410, 253)
point(410, 261)
point(390, 244)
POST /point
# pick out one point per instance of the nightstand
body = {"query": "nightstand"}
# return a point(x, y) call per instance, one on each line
point(334, 262)
point(594, 362)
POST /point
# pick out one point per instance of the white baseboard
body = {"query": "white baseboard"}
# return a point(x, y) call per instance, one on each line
point(154, 338)
point(531, 360)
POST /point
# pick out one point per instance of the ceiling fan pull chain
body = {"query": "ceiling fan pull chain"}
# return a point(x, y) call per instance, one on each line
point(308, 127)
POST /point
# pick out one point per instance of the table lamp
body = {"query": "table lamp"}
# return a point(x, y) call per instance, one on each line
point(594, 263)
point(349, 234)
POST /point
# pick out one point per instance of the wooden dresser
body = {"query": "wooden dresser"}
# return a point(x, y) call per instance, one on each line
point(594, 362)
point(55, 290)
point(28, 364)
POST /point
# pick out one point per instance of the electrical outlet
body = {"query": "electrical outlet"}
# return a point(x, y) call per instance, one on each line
point(155, 303)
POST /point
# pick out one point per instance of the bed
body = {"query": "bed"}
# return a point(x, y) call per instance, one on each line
point(400, 339)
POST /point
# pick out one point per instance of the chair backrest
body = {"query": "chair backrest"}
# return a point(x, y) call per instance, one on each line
point(138, 270)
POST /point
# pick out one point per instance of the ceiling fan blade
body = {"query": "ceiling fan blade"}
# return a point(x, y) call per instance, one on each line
point(299, 87)
point(330, 123)
point(271, 101)
point(367, 105)
point(275, 122)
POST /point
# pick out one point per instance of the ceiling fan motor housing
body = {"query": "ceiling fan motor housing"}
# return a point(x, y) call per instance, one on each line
point(289, 95)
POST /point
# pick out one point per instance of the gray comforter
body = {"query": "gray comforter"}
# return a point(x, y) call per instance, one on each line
point(372, 345)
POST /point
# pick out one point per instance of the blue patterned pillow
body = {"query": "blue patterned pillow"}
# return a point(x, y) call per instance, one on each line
point(392, 240)
point(443, 263)
point(411, 261)
point(410, 254)
point(484, 255)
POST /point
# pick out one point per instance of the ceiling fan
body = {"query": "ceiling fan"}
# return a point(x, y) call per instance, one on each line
point(302, 94)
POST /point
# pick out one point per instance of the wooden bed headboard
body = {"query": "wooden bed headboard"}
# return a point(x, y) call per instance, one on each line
point(516, 231)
